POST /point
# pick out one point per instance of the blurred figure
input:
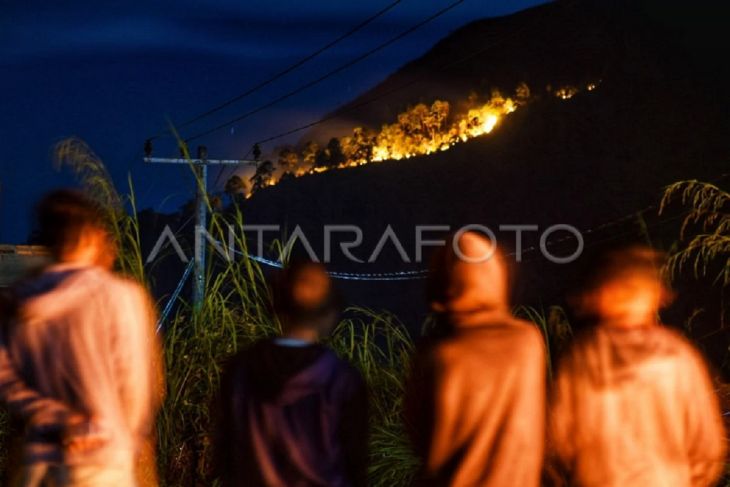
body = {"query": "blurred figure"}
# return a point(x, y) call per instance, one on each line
point(475, 400)
point(79, 361)
point(633, 402)
point(291, 412)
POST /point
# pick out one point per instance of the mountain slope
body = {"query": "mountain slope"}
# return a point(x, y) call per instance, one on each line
point(658, 115)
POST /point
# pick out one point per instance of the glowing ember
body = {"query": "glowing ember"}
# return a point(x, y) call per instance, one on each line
point(566, 92)
point(420, 130)
point(489, 123)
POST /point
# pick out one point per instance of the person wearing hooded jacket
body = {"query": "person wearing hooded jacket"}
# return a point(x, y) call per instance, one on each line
point(633, 403)
point(80, 364)
point(290, 412)
point(475, 398)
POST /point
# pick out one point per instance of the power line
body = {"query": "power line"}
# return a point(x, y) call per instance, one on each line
point(403, 275)
point(419, 273)
point(415, 80)
point(423, 273)
point(291, 68)
point(328, 74)
point(226, 170)
point(200, 168)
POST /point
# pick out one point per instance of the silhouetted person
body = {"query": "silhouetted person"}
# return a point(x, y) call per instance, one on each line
point(79, 361)
point(475, 399)
point(290, 412)
point(633, 402)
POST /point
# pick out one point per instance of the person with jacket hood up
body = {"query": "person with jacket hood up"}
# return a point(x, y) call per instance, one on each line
point(80, 363)
point(633, 403)
point(290, 412)
point(475, 398)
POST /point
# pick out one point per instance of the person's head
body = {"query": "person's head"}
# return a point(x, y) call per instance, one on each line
point(304, 300)
point(624, 288)
point(75, 229)
point(468, 275)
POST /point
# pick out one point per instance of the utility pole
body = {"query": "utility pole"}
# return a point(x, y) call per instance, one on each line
point(200, 167)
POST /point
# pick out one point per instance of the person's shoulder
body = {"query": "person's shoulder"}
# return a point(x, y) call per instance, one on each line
point(57, 289)
point(90, 274)
point(340, 364)
point(95, 281)
point(678, 344)
point(257, 354)
point(345, 373)
point(117, 281)
point(672, 336)
point(514, 333)
point(253, 349)
point(123, 290)
point(525, 341)
point(526, 332)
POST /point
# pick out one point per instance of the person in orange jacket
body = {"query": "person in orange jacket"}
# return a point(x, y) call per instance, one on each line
point(633, 403)
point(475, 399)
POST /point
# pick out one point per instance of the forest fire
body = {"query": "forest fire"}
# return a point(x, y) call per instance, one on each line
point(420, 130)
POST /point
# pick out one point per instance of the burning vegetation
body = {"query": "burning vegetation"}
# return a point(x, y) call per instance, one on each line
point(420, 130)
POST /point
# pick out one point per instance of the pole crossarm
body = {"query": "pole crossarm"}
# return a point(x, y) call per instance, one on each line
point(200, 165)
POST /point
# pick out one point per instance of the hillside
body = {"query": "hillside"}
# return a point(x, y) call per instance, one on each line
point(560, 43)
point(659, 115)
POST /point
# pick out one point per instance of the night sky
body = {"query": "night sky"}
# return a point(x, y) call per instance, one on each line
point(113, 74)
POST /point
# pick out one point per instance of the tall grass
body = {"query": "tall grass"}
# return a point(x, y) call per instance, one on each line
point(121, 211)
point(703, 250)
point(234, 314)
point(380, 347)
point(197, 340)
point(705, 231)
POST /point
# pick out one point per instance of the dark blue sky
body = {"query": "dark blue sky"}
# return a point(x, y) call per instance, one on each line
point(112, 72)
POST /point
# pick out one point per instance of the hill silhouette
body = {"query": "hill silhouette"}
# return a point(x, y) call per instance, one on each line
point(560, 43)
point(659, 115)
